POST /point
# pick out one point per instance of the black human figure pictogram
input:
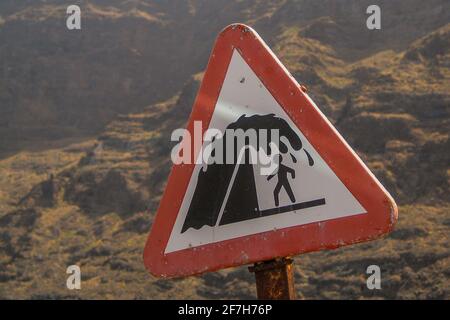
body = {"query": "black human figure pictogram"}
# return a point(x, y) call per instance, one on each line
point(283, 181)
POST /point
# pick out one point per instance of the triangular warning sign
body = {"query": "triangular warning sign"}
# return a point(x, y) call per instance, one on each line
point(312, 191)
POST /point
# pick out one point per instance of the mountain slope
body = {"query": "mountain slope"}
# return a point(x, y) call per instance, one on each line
point(57, 84)
point(84, 158)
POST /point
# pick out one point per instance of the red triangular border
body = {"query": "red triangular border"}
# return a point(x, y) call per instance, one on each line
point(381, 209)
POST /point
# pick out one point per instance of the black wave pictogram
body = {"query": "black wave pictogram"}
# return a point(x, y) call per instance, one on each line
point(213, 185)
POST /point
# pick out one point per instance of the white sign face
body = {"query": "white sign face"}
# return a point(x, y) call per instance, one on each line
point(298, 193)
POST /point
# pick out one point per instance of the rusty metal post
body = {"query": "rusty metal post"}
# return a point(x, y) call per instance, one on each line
point(274, 279)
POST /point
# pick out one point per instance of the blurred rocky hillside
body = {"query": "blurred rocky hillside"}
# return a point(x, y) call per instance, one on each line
point(86, 117)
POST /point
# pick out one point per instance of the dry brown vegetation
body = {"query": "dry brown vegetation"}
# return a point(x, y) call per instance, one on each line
point(80, 180)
